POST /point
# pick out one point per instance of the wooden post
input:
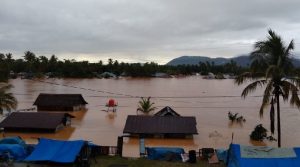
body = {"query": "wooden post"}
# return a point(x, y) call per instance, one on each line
point(120, 146)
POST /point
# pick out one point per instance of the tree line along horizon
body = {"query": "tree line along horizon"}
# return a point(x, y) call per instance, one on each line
point(39, 65)
point(70, 68)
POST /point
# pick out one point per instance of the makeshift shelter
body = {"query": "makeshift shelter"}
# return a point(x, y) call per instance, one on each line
point(12, 140)
point(57, 151)
point(164, 153)
point(35, 121)
point(13, 148)
point(167, 111)
point(166, 126)
point(249, 156)
point(60, 102)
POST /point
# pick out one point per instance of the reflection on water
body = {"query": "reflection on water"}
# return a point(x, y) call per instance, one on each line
point(110, 117)
point(208, 100)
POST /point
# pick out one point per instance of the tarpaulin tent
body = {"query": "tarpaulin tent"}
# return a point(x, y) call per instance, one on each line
point(13, 147)
point(56, 151)
point(237, 159)
point(14, 151)
point(12, 140)
point(164, 153)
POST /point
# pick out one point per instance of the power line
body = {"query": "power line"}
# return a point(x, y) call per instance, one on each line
point(208, 107)
point(162, 98)
point(122, 95)
point(87, 89)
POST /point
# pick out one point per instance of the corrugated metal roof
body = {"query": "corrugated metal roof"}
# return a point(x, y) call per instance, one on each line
point(60, 100)
point(33, 120)
point(166, 111)
point(136, 124)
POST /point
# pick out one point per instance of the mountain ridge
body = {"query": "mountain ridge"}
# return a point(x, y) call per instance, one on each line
point(242, 60)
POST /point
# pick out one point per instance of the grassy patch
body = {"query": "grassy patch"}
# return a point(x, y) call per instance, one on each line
point(105, 161)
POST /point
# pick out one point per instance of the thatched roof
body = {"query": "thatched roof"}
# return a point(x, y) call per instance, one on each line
point(33, 121)
point(166, 111)
point(136, 124)
point(60, 100)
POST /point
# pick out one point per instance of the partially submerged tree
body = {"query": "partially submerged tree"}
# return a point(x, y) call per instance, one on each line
point(145, 105)
point(259, 133)
point(236, 117)
point(271, 68)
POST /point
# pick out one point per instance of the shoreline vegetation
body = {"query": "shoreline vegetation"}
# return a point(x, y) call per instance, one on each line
point(32, 66)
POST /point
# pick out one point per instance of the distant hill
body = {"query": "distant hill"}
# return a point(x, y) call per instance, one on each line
point(243, 60)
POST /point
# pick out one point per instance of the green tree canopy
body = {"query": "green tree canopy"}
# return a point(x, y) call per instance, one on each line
point(7, 100)
point(145, 105)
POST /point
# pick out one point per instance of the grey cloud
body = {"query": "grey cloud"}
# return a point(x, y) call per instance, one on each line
point(139, 29)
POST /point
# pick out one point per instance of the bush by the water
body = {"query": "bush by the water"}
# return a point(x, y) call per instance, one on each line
point(235, 117)
point(259, 133)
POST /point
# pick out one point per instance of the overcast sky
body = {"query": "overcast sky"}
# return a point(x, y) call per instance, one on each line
point(143, 30)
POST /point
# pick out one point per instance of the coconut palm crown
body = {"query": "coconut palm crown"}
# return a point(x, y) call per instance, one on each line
point(7, 100)
point(145, 105)
point(271, 68)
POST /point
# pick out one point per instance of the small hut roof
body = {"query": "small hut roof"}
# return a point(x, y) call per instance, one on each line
point(166, 111)
point(60, 100)
point(136, 124)
point(34, 120)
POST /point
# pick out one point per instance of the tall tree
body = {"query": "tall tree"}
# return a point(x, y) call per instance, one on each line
point(43, 64)
point(8, 56)
point(7, 100)
point(53, 63)
point(9, 60)
point(145, 105)
point(2, 56)
point(30, 58)
point(271, 68)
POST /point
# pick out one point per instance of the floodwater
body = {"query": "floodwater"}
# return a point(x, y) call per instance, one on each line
point(208, 100)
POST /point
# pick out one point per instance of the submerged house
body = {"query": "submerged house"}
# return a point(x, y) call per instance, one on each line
point(167, 111)
point(161, 75)
point(108, 75)
point(35, 121)
point(60, 102)
point(160, 126)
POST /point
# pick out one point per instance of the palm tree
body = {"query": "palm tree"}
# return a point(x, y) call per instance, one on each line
point(30, 59)
point(145, 105)
point(7, 100)
point(271, 68)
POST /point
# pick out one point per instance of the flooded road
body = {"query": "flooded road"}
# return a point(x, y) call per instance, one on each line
point(208, 100)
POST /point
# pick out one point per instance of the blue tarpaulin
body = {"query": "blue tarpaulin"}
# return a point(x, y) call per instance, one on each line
point(14, 151)
point(235, 159)
point(162, 153)
point(56, 151)
point(12, 140)
point(14, 148)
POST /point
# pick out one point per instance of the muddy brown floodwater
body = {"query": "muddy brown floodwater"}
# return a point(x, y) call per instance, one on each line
point(208, 100)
